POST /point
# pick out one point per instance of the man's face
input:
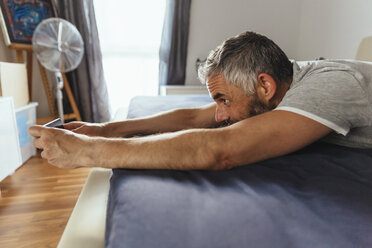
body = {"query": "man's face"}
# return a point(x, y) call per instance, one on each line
point(233, 104)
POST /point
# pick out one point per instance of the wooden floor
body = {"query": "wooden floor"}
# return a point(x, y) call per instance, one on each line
point(36, 203)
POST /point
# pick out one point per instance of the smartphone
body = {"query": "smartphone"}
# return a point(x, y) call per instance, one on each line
point(57, 123)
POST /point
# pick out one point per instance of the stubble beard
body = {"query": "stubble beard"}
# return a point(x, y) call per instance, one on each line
point(256, 107)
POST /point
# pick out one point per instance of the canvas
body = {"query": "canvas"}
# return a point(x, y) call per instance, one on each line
point(20, 18)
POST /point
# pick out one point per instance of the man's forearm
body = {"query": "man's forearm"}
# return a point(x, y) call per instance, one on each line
point(170, 121)
point(190, 149)
point(245, 142)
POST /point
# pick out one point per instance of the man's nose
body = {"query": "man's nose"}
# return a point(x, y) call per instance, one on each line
point(221, 115)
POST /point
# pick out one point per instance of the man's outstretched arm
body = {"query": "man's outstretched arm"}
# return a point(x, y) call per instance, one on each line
point(169, 121)
point(254, 139)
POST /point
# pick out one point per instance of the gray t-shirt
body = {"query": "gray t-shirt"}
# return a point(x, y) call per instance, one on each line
point(336, 93)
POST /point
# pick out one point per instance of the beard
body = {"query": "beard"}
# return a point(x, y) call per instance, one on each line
point(225, 123)
point(256, 107)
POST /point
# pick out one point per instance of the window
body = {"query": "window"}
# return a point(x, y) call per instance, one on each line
point(130, 34)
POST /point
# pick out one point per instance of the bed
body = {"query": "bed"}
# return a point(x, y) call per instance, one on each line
point(320, 196)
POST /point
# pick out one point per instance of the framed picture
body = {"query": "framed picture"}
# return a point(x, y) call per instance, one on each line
point(19, 19)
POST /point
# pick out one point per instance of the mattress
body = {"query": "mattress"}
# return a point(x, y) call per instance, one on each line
point(320, 196)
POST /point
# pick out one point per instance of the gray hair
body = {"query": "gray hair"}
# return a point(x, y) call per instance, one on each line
point(242, 58)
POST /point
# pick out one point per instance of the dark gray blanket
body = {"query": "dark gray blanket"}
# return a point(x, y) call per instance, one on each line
point(320, 196)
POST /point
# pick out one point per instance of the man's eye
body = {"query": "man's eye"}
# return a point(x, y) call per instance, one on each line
point(225, 101)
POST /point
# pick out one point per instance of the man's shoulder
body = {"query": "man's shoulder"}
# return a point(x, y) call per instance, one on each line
point(325, 73)
point(343, 76)
point(321, 68)
point(331, 93)
point(333, 63)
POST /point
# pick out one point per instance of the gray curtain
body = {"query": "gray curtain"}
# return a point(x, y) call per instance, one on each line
point(87, 81)
point(173, 47)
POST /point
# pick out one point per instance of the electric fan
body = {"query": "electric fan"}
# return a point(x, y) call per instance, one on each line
point(59, 47)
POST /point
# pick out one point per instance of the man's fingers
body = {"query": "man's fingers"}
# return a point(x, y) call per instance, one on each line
point(38, 144)
point(35, 130)
point(44, 154)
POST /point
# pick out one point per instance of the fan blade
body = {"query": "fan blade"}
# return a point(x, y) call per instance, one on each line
point(47, 45)
point(60, 37)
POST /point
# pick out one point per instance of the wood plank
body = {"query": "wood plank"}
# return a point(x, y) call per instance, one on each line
point(71, 98)
point(48, 90)
point(37, 201)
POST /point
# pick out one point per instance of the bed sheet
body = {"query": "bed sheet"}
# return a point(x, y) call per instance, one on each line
point(320, 196)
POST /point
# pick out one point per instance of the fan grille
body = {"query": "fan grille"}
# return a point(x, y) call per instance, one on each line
point(58, 45)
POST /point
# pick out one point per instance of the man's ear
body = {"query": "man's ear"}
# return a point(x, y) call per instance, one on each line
point(266, 87)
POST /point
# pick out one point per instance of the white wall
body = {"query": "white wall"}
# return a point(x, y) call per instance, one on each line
point(333, 28)
point(213, 21)
point(304, 29)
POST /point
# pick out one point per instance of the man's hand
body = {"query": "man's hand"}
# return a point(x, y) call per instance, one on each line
point(62, 148)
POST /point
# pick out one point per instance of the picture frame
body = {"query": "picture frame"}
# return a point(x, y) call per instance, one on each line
point(19, 18)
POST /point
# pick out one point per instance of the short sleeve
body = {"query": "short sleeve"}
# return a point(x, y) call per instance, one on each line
point(333, 98)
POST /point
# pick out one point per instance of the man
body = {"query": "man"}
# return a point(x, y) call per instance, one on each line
point(273, 107)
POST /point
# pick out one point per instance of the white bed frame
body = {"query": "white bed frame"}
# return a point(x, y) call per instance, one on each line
point(87, 223)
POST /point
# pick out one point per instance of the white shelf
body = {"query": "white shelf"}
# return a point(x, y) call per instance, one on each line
point(182, 90)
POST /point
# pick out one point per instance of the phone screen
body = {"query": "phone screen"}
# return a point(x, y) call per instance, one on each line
point(57, 123)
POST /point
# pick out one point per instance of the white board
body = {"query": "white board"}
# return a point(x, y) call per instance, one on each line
point(13, 82)
point(10, 153)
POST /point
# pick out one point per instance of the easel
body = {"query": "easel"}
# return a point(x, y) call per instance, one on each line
point(20, 49)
